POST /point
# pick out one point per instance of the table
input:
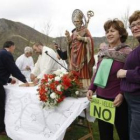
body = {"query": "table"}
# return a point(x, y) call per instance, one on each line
point(25, 118)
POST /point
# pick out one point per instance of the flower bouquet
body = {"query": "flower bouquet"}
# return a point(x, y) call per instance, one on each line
point(54, 88)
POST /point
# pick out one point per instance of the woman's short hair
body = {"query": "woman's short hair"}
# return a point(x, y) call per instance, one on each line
point(135, 16)
point(119, 26)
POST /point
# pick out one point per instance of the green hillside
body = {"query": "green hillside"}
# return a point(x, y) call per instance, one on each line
point(24, 35)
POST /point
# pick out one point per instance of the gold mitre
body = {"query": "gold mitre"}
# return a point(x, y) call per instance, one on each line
point(77, 14)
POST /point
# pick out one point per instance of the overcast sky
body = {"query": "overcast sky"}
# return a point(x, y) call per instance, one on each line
point(57, 13)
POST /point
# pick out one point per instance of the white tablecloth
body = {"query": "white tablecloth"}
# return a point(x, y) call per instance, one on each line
point(25, 118)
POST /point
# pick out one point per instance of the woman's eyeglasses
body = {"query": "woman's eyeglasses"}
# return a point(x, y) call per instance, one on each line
point(133, 25)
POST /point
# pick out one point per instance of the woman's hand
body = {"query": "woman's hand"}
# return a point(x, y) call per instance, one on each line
point(121, 73)
point(118, 100)
point(89, 94)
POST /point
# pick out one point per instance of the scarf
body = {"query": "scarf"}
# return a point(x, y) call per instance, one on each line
point(115, 54)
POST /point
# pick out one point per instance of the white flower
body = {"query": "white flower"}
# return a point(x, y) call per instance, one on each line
point(57, 78)
point(53, 95)
point(64, 72)
point(49, 80)
point(57, 72)
point(59, 87)
point(61, 75)
point(77, 92)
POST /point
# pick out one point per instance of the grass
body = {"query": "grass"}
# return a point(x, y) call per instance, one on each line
point(76, 132)
point(4, 138)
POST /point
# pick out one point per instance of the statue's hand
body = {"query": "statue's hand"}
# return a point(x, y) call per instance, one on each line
point(78, 37)
point(67, 34)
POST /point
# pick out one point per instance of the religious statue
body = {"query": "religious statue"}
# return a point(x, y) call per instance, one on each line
point(80, 49)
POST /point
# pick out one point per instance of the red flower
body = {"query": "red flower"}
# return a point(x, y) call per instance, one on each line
point(44, 80)
point(43, 97)
point(59, 92)
point(76, 74)
point(46, 77)
point(52, 86)
point(61, 99)
point(42, 90)
point(56, 82)
point(66, 81)
point(51, 76)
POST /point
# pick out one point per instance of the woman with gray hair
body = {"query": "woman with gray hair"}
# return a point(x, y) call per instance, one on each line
point(130, 83)
point(25, 62)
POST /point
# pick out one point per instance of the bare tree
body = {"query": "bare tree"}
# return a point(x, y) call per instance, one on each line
point(47, 28)
point(125, 18)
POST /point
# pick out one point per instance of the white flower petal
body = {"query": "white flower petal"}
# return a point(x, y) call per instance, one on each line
point(59, 87)
point(77, 92)
point(53, 95)
point(57, 78)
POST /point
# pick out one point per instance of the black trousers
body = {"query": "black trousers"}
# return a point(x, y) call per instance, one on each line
point(121, 124)
point(2, 108)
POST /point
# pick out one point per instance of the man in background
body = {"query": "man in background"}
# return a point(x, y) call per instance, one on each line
point(7, 68)
point(25, 62)
point(62, 56)
point(45, 64)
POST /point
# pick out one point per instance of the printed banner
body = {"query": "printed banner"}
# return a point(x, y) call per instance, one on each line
point(102, 109)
